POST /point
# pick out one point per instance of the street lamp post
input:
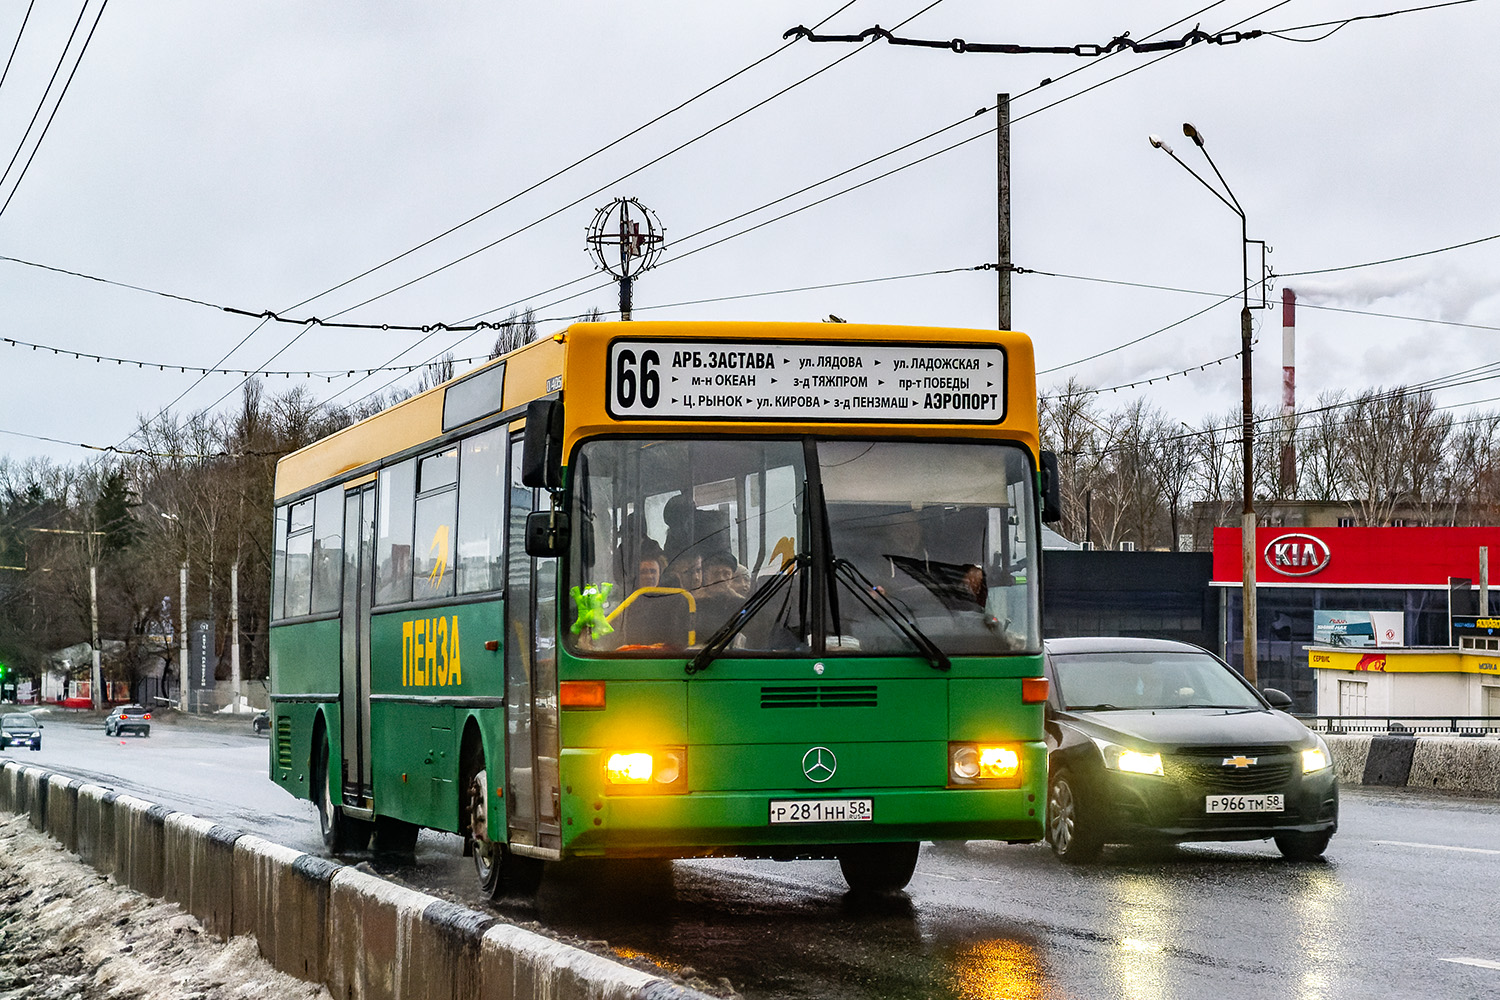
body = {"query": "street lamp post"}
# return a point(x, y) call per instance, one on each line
point(1247, 412)
point(182, 615)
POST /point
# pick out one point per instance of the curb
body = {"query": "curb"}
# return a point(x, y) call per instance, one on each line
point(360, 936)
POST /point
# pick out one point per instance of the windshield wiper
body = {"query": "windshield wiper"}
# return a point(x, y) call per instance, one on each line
point(759, 598)
point(1103, 706)
point(875, 599)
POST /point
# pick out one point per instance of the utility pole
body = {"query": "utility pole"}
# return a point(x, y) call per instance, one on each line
point(182, 650)
point(1002, 171)
point(98, 674)
point(234, 631)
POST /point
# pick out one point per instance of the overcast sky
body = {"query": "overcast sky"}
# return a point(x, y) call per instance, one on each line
point(254, 155)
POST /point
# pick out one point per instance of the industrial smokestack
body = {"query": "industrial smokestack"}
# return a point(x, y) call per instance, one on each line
point(1288, 390)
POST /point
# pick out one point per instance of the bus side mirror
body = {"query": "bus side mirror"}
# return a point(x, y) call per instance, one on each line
point(541, 448)
point(546, 533)
point(1051, 487)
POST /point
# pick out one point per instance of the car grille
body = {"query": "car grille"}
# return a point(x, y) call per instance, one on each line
point(1204, 768)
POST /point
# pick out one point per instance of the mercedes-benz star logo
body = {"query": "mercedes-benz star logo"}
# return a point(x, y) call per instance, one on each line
point(818, 764)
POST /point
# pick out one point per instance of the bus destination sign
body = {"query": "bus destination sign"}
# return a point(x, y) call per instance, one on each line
point(805, 381)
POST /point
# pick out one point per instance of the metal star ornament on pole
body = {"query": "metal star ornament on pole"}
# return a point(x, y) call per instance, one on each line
point(626, 239)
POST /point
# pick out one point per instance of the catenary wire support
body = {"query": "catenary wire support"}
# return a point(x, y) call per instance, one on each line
point(626, 239)
point(1119, 43)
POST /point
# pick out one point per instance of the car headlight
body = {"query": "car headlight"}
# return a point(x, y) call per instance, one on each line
point(1317, 757)
point(1120, 758)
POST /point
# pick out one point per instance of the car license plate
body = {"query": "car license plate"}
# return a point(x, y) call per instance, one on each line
point(822, 810)
point(1245, 803)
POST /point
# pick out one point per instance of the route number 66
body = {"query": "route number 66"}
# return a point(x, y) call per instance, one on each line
point(628, 382)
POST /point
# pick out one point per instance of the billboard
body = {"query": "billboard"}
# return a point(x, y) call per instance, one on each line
point(1359, 628)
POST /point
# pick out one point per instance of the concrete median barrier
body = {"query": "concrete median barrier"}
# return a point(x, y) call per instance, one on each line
point(198, 874)
point(281, 897)
point(95, 827)
point(1456, 764)
point(140, 843)
point(1349, 754)
point(62, 810)
point(361, 936)
point(33, 790)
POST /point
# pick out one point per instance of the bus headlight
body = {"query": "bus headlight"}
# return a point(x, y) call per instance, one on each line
point(976, 765)
point(650, 771)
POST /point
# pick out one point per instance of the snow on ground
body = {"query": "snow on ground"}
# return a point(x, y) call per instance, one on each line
point(68, 932)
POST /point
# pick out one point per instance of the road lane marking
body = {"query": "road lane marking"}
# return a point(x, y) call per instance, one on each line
point(1483, 963)
point(1437, 847)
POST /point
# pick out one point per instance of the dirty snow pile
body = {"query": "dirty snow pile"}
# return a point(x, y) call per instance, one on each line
point(68, 932)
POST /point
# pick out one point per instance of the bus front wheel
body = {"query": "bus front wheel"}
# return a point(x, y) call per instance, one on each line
point(340, 833)
point(500, 871)
point(878, 868)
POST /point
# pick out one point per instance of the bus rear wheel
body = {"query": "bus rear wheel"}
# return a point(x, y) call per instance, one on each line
point(500, 871)
point(878, 868)
point(340, 832)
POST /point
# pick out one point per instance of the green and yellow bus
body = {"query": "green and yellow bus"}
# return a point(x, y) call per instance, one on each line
point(675, 590)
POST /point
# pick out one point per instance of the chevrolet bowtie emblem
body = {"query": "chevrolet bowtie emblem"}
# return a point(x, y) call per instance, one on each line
point(1241, 761)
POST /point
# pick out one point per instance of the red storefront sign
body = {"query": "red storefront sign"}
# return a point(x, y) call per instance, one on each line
point(1356, 557)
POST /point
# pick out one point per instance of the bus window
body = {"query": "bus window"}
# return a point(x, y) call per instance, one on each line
point(327, 549)
point(436, 515)
point(278, 565)
point(299, 560)
point(481, 513)
point(397, 489)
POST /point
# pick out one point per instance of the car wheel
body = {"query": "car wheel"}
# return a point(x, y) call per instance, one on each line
point(878, 868)
point(340, 832)
point(1298, 846)
point(500, 871)
point(1070, 830)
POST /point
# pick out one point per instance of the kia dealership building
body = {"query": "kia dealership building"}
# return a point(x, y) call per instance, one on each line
point(1320, 585)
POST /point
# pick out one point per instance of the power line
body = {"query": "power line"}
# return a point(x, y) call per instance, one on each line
point(56, 104)
point(1390, 260)
point(17, 46)
point(43, 102)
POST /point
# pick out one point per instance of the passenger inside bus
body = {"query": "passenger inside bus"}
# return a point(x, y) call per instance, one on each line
point(652, 620)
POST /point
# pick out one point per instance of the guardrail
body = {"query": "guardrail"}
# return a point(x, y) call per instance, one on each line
point(1455, 725)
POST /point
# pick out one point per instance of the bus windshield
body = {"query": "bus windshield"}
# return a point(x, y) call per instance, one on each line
point(804, 546)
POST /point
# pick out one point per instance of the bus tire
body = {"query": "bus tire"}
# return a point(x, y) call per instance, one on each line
point(878, 868)
point(340, 832)
point(1071, 832)
point(501, 872)
point(395, 836)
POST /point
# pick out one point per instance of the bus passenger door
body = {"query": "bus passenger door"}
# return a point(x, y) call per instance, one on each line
point(354, 687)
point(532, 788)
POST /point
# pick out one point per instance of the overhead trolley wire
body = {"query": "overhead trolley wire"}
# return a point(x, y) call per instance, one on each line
point(13, 49)
point(16, 186)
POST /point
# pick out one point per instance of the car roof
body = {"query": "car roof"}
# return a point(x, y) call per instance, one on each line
point(1119, 644)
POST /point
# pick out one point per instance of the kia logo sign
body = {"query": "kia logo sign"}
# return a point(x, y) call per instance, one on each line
point(1297, 555)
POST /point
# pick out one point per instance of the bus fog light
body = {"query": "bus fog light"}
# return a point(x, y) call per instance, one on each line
point(668, 765)
point(963, 762)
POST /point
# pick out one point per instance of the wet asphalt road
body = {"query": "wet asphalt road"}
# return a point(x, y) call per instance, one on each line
point(1404, 905)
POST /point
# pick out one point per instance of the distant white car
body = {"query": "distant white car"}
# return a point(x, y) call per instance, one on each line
point(128, 718)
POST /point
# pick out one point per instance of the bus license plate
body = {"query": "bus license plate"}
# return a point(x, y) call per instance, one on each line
point(822, 811)
point(1245, 803)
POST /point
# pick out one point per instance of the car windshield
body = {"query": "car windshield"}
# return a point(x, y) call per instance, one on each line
point(900, 548)
point(18, 722)
point(1149, 680)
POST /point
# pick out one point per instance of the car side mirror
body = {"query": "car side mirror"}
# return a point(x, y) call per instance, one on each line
point(1280, 700)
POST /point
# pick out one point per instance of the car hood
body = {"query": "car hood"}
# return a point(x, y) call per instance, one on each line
point(1192, 726)
point(20, 731)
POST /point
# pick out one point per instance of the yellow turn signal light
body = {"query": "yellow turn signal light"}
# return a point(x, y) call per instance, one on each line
point(629, 768)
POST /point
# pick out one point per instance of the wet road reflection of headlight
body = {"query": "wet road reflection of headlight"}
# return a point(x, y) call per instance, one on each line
point(999, 968)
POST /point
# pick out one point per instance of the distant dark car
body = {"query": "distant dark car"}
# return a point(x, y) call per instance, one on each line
point(128, 719)
point(261, 722)
point(20, 730)
point(1151, 740)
